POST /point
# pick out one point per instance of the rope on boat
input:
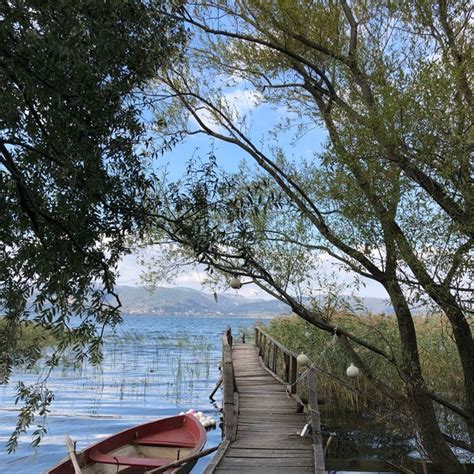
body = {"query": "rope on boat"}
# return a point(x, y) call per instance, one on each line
point(201, 454)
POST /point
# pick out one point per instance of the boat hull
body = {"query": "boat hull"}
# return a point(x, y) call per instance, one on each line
point(141, 448)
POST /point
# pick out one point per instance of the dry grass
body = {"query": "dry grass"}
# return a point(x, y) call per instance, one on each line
point(439, 358)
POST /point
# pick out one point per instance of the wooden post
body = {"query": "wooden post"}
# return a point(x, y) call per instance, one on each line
point(229, 386)
point(319, 465)
point(274, 360)
point(293, 374)
point(218, 384)
point(269, 352)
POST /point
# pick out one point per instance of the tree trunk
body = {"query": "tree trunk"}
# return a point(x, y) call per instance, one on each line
point(465, 345)
point(427, 427)
point(421, 407)
point(462, 333)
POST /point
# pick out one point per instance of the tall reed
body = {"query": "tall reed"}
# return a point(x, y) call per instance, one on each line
point(440, 361)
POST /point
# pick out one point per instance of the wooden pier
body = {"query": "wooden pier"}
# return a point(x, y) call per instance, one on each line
point(268, 430)
point(262, 423)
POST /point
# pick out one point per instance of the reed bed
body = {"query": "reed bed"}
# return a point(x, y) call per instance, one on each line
point(29, 339)
point(439, 358)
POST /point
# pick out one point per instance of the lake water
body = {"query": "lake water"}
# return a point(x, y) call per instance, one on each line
point(154, 367)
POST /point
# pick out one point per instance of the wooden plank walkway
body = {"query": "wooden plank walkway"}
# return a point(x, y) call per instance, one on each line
point(268, 427)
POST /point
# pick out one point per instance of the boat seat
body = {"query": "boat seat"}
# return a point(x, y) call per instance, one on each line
point(176, 438)
point(96, 456)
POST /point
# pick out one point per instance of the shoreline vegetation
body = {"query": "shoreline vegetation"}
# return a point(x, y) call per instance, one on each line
point(30, 339)
point(439, 357)
point(357, 403)
point(152, 367)
point(343, 396)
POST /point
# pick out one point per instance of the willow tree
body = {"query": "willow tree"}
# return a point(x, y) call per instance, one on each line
point(390, 196)
point(72, 166)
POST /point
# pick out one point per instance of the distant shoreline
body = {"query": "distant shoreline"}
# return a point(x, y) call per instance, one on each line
point(129, 314)
point(181, 301)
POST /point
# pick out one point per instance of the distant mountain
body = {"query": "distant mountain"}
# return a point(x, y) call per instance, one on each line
point(179, 301)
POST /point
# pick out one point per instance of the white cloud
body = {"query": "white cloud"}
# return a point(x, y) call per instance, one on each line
point(192, 279)
point(207, 118)
point(243, 101)
point(129, 271)
point(240, 102)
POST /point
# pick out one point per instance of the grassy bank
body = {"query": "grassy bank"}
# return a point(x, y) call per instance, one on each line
point(441, 365)
point(29, 339)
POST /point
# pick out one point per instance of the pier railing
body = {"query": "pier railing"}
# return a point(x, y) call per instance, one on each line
point(283, 365)
point(279, 360)
point(301, 383)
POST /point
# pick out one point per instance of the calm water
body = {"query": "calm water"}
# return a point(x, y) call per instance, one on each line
point(154, 367)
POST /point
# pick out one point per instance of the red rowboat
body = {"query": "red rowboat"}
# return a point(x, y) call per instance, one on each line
point(141, 448)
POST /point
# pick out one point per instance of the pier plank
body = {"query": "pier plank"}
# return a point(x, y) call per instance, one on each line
point(267, 438)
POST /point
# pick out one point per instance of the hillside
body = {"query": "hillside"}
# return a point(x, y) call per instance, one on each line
point(179, 301)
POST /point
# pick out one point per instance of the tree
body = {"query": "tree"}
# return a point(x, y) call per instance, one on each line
point(73, 165)
point(389, 198)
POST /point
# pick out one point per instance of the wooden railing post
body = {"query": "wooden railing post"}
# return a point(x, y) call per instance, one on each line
point(293, 374)
point(319, 464)
point(274, 359)
point(269, 352)
point(229, 386)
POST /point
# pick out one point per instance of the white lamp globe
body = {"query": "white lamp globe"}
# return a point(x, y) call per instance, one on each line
point(235, 283)
point(352, 371)
point(303, 360)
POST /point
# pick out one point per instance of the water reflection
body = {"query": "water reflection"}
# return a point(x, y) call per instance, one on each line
point(359, 437)
point(368, 437)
